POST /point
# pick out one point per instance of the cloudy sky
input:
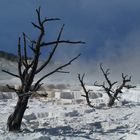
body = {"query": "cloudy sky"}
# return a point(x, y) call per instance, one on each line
point(110, 28)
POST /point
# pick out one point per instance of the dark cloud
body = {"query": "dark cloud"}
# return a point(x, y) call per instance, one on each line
point(110, 28)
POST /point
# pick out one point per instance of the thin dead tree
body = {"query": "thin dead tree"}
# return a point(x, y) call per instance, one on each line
point(81, 79)
point(111, 89)
point(28, 69)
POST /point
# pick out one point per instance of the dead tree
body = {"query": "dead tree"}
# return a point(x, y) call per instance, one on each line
point(111, 91)
point(85, 90)
point(27, 70)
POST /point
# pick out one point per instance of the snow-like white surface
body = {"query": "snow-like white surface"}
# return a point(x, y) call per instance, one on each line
point(52, 120)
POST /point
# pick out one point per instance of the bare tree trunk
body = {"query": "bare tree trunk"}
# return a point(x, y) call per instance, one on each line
point(111, 101)
point(15, 119)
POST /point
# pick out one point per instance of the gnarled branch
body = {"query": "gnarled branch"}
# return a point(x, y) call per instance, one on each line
point(12, 74)
point(56, 70)
point(61, 42)
point(52, 53)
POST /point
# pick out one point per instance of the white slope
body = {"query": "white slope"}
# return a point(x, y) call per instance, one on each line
point(48, 120)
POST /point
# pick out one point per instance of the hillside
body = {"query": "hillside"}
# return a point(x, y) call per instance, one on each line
point(8, 56)
point(8, 61)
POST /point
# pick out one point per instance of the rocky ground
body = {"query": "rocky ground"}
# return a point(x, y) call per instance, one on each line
point(52, 120)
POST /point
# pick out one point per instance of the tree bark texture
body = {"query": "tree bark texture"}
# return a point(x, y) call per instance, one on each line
point(111, 101)
point(15, 119)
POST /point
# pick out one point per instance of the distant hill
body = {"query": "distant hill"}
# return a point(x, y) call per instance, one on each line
point(8, 56)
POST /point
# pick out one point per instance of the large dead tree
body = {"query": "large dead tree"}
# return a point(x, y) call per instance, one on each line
point(28, 69)
point(111, 89)
point(81, 79)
